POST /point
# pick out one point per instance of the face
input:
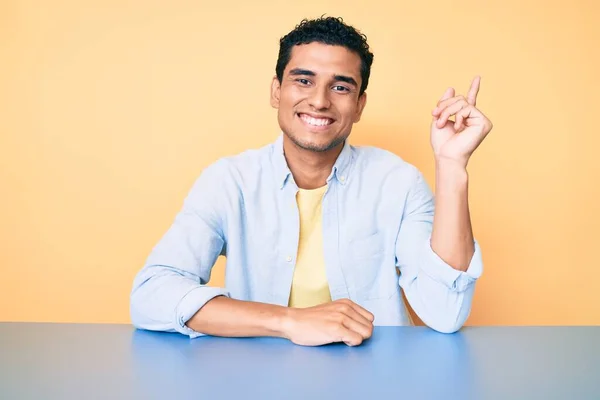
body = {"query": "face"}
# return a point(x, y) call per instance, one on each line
point(317, 99)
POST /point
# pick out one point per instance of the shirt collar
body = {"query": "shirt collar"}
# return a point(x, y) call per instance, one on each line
point(340, 171)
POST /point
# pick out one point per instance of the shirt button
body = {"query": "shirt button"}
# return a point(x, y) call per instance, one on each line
point(288, 258)
point(342, 178)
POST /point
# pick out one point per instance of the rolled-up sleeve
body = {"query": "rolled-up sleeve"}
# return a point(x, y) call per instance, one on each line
point(439, 294)
point(171, 287)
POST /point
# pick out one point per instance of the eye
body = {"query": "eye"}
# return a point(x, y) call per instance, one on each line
point(303, 81)
point(339, 88)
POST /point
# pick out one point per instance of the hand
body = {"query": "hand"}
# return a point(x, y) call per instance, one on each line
point(457, 140)
point(338, 321)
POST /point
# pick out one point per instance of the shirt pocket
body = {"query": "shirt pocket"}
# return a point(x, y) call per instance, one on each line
point(367, 266)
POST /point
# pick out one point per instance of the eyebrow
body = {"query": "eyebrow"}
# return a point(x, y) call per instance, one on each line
point(300, 71)
point(307, 72)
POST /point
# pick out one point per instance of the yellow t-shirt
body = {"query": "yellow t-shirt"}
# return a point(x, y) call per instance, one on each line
point(310, 286)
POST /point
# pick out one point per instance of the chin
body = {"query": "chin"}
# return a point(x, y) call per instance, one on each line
point(307, 141)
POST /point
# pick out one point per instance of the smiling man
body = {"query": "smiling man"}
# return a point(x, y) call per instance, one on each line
point(314, 229)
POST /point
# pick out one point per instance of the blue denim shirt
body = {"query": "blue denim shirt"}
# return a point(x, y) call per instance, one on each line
point(377, 217)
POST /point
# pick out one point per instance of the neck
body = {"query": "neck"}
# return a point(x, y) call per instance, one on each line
point(310, 169)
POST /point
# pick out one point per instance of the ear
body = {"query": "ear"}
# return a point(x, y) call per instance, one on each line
point(362, 102)
point(275, 92)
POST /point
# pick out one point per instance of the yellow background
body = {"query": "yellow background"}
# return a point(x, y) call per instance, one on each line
point(109, 110)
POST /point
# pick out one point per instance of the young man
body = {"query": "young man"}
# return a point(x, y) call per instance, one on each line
point(313, 228)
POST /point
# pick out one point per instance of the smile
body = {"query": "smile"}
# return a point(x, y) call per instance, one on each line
point(315, 122)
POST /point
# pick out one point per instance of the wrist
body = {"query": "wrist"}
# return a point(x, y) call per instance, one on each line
point(450, 162)
point(286, 322)
point(449, 171)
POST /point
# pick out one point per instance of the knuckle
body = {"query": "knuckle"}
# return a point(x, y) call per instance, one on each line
point(365, 334)
point(344, 308)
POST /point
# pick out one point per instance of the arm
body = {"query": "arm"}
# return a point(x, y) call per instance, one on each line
point(223, 316)
point(439, 278)
point(453, 144)
point(438, 293)
point(171, 287)
point(338, 321)
point(170, 292)
point(452, 237)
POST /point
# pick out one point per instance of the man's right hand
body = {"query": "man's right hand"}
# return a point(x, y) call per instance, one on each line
point(339, 321)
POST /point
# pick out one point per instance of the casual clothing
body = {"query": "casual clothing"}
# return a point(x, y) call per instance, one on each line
point(377, 215)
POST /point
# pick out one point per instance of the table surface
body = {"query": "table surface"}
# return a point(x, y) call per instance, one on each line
point(81, 361)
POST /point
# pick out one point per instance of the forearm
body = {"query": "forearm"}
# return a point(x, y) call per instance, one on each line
point(162, 299)
point(452, 236)
point(223, 316)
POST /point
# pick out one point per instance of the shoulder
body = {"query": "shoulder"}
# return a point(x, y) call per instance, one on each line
point(237, 168)
point(377, 163)
point(249, 160)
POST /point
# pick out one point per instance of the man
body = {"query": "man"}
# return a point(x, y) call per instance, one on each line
point(313, 228)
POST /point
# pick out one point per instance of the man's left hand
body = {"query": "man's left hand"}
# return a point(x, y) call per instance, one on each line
point(457, 140)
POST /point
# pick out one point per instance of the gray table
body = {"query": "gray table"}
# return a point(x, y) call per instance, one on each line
point(63, 361)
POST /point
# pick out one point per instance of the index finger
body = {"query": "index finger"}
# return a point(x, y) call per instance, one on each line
point(472, 96)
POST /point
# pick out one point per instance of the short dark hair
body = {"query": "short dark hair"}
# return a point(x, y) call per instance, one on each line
point(327, 30)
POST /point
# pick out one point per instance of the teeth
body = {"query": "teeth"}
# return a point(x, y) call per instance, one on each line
point(316, 121)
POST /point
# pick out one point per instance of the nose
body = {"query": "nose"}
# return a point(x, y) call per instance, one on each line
point(319, 98)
